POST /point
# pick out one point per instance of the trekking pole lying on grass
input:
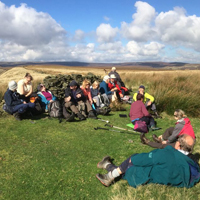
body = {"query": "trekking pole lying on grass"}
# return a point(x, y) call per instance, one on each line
point(107, 129)
point(103, 120)
point(125, 129)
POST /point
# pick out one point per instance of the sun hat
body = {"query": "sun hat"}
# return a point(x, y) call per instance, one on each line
point(106, 77)
point(12, 85)
point(112, 76)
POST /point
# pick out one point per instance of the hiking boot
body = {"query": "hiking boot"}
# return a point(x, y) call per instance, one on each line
point(17, 116)
point(80, 116)
point(92, 115)
point(156, 139)
point(105, 179)
point(70, 118)
point(144, 140)
point(104, 162)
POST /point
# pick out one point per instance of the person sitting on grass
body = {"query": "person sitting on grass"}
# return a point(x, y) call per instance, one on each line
point(118, 78)
point(25, 88)
point(169, 166)
point(14, 105)
point(170, 136)
point(73, 97)
point(114, 86)
point(105, 90)
point(45, 95)
point(148, 100)
point(139, 112)
point(85, 87)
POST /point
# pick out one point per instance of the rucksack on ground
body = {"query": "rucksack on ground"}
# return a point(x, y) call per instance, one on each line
point(141, 126)
point(55, 109)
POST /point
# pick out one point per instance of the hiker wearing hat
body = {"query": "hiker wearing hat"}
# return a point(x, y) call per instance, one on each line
point(114, 86)
point(118, 78)
point(148, 100)
point(14, 105)
point(74, 98)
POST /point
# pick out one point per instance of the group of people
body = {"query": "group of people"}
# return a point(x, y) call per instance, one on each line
point(171, 163)
point(80, 101)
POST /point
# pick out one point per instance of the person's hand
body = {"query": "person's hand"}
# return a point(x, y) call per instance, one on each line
point(121, 95)
point(160, 137)
point(67, 99)
point(78, 95)
point(94, 100)
point(51, 100)
point(91, 102)
point(149, 103)
point(164, 142)
point(24, 102)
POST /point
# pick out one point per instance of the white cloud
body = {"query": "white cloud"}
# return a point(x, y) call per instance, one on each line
point(105, 33)
point(79, 35)
point(106, 18)
point(140, 29)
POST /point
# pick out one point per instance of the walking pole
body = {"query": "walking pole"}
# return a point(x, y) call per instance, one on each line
point(103, 120)
point(107, 129)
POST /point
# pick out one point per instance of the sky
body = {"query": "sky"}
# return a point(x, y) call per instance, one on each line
point(104, 31)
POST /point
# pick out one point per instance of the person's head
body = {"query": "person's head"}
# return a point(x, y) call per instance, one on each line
point(185, 142)
point(113, 69)
point(95, 85)
point(140, 97)
point(12, 85)
point(28, 78)
point(86, 84)
point(73, 85)
point(179, 114)
point(112, 78)
point(41, 87)
point(141, 89)
point(106, 79)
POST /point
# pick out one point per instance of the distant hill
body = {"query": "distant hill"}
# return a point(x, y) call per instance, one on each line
point(140, 65)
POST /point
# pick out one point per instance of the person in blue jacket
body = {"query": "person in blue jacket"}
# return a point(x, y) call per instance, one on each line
point(15, 105)
point(168, 166)
point(45, 95)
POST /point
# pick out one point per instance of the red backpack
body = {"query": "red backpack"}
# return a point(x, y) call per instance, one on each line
point(140, 126)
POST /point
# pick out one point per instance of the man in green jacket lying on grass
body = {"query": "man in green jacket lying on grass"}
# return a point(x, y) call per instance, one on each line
point(168, 166)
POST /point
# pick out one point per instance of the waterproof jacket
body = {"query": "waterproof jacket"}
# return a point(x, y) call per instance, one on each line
point(147, 97)
point(104, 89)
point(11, 99)
point(166, 166)
point(113, 85)
point(43, 99)
point(138, 110)
point(68, 92)
point(182, 126)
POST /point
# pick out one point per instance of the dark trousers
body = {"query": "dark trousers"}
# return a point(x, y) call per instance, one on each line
point(149, 121)
point(123, 167)
point(165, 136)
point(21, 108)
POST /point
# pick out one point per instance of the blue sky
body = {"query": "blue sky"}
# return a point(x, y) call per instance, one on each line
point(100, 31)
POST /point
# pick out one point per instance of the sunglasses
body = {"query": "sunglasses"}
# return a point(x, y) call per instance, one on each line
point(175, 115)
point(41, 86)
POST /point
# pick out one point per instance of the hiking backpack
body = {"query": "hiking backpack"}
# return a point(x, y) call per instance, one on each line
point(55, 109)
point(140, 126)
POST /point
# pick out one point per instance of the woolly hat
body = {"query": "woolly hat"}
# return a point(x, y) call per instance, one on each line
point(112, 76)
point(106, 77)
point(39, 86)
point(142, 86)
point(12, 85)
point(113, 68)
point(73, 83)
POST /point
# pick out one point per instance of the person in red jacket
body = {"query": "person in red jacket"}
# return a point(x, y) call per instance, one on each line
point(170, 136)
point(114, 86)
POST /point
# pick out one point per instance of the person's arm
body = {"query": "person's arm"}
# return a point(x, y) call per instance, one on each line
point(43, 99)
point(106, 89)
point(176, 131)
point(10, 101)
point(90, 96)
point(30, 91)
point(135, 96)
point(144, 110)
point(20, 89)
point(150, 97)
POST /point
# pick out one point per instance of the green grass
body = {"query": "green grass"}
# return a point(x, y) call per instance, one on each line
point(52, 160)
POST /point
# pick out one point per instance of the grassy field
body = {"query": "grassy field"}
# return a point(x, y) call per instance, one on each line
point(41, 158)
